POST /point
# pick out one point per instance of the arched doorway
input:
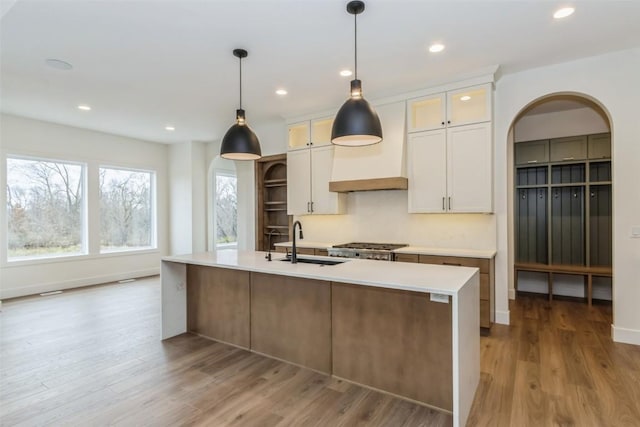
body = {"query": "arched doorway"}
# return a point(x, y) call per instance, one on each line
point(560, 198)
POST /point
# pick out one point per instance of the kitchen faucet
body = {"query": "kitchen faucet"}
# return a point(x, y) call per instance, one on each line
point(268, 255)
point(294, 256)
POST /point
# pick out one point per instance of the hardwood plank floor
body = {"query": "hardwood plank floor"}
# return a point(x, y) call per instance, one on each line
point(94, 357)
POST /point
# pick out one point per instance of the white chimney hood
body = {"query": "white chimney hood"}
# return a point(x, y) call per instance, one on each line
point(374, 167)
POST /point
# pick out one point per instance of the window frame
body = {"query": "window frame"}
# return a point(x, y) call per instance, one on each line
point(153, 247)
point(84, 225)
point(231, 174)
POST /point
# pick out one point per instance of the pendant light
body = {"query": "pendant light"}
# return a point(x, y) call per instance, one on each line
point(356, 123)
point(240, 143)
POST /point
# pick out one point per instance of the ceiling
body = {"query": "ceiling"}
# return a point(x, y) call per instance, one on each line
point(143, 65)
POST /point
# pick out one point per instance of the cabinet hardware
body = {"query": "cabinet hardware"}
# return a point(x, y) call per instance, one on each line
point(568, 158)
point(448, 121)
point(442, 123)
point(311, 143)
point(308, 206)
point(443, 203)
point(452, 263)
point(532, 161)
point(311, 207)
point(449, 203)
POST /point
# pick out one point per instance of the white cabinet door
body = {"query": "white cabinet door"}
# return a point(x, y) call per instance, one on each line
point(427, 171)
point(469, 168)
point(426, 113)
point(298, 136)
point(321, 131)
point(322, 200)
point(469, 105)
point(298, 182)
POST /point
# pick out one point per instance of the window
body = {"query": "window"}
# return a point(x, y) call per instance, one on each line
point(126, 210)
point(226, 210)
point(45, 208)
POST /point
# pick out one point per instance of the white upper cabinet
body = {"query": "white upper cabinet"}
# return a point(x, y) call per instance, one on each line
point(308, 175)
point(453, 108)
point(427, 171)
point(310, 133)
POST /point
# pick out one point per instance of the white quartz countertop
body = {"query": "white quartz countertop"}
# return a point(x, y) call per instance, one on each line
point(467, 253)
point(405, 276)
point(305, 244)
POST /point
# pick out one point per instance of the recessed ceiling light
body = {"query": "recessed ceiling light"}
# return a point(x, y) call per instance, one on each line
point(436, 47)
point(58, 64)
point(84, 107)
point(564, 12)
point(170, 128)
point(465, 98)
point(346, 73)
point(281, 92)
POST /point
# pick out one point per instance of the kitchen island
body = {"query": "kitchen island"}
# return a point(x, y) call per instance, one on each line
point(407, 330)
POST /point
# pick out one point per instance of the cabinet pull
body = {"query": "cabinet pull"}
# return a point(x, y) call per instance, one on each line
point(442, 123)
point(449, 203)
point(308, 206)
point(443, 203)
point(311, 207)
point(568, 158)
point(448, 121)
point(452, 263)
point(532, 161)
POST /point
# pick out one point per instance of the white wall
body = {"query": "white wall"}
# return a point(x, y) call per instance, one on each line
point(612, 81)
point(22, 136)
point(581, 121)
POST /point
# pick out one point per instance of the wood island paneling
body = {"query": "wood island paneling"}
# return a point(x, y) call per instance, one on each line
point(398, 341)
point(218, 304)
point(291, 319)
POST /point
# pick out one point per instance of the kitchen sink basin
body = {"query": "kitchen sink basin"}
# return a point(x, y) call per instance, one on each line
point(317, 261)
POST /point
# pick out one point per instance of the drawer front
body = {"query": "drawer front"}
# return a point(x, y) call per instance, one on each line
point(281, 249)
point(407, 257)
point(484, 286)
point(485, 314)
point(481, 263)
point(322, 252)
point(305, 251)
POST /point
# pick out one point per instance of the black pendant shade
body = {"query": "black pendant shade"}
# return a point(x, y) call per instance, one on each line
point(240, 142)
point(356, 123)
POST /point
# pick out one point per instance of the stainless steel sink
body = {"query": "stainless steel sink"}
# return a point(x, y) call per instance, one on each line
point(318, 261)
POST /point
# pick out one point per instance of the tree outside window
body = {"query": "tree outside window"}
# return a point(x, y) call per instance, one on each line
point(126, 210)
point(45, 208)
point(226, 210)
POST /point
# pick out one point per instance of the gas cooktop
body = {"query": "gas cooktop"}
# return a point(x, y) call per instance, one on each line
point(371, 246)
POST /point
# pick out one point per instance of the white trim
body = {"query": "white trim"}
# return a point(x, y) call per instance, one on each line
point(503, 317)
point(77, 283)
point(512, 293)
point(624, 335)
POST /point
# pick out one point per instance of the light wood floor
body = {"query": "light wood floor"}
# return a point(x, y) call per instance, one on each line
point(94, 357)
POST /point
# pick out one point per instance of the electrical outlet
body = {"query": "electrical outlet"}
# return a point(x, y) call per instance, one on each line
point(635, 232)
point(440, 298)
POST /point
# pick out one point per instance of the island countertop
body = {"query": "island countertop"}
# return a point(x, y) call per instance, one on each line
point(425, 278)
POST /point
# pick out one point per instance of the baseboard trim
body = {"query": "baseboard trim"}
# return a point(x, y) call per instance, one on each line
point(624, 335)
point(502, 317)
point(75, 283)
point(512, 294)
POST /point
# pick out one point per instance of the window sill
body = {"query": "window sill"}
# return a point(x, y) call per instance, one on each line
point(77, 258)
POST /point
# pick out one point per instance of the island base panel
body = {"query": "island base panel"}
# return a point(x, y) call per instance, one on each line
point(291, 319)
point(218, 304)
point(397, 341)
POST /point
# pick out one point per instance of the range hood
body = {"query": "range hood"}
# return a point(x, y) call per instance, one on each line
point(374, 167)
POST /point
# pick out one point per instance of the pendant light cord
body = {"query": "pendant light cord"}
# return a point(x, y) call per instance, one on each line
point(355, 41)
point(240, 59)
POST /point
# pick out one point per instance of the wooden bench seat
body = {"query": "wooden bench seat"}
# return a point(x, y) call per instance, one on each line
point(551, 269)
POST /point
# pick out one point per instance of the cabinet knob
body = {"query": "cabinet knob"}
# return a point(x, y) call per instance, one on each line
point(442, 123)
point(448, 121)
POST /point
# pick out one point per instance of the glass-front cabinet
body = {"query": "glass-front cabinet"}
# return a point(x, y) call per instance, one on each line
point(447, 109)
point(310, 133)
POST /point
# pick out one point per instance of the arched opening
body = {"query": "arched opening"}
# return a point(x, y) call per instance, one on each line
point(223, 218)
point(560, 198)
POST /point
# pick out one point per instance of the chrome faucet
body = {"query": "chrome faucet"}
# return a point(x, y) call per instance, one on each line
point(294, 255)
point(268, 255)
